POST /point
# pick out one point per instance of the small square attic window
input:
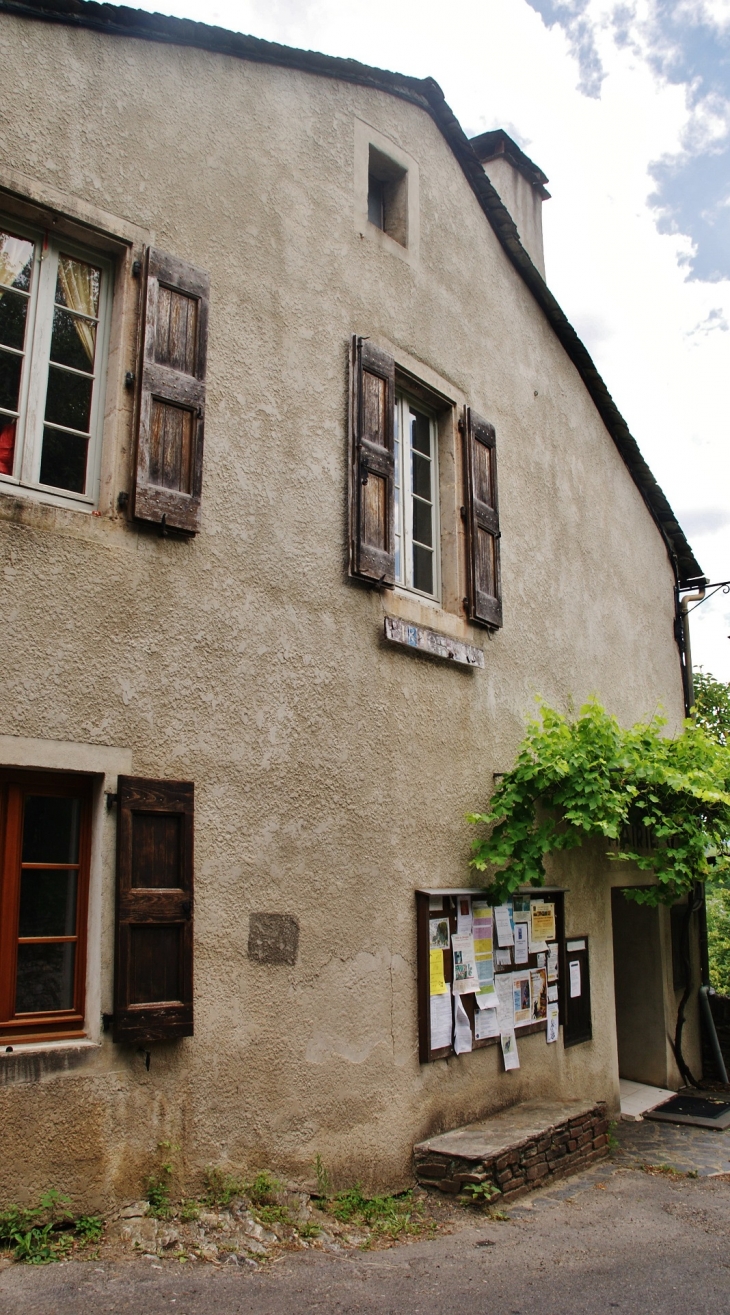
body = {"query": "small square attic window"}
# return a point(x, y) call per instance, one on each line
point(388, 196)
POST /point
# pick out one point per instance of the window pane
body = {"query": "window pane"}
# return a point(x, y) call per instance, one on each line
point(16, 261)
point(63, 460)
point(7, 445)
point(73, 340)
point(421, 432)
point(77, 285)
point(47, 903)
point(422, 522)
point(10, 367)
point(422, 476)
point(51, 829)
point(13, 310)
point(68, 400)
point(422, 569)
point(375, 201)
point(45, 979)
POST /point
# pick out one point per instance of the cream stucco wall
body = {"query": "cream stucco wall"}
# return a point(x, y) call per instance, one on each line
point(332, 776)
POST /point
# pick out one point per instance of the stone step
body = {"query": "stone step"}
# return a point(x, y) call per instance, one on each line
point(522, 1147)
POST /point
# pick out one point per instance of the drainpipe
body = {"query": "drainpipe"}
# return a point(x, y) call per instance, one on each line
point(705, 990)
point(705, 993)
point(683, 609)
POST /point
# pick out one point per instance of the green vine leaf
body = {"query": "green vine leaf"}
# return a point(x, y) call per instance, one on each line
point(589, 777)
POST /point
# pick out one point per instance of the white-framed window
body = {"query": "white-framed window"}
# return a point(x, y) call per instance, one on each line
point(417, 564)
point(55, 304)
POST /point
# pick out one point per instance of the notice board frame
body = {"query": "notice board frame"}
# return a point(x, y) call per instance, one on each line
point(554, 894)
point(577, 1017)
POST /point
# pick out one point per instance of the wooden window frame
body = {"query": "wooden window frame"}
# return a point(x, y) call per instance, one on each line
point(14, 786)
point(403, 494)
point(34, 373)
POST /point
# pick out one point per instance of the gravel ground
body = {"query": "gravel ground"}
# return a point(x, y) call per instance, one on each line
point(616, 1237)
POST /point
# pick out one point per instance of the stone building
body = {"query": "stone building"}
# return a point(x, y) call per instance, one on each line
point(266, 329)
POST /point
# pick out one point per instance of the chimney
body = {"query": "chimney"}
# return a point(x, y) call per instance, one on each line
point(521, 187)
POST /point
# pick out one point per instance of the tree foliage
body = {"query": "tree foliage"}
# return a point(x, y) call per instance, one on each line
point(712, 712)
point(587, 777)
point(712, 705)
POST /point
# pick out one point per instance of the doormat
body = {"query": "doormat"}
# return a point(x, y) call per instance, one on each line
point(699, 1111)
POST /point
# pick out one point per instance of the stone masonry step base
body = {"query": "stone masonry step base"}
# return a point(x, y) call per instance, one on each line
point(526, 1146)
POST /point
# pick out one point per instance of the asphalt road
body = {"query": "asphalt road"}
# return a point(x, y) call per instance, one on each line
point(610, 1239)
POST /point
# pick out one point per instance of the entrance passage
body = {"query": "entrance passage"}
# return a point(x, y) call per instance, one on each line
point(639, 986)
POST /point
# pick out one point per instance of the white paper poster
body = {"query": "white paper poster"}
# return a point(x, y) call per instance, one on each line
point(553, 1023)
point(503, 923)
point(553, 993)
point(463, 915)
point(486, 1024)
point(503, 958)
point(465, 967)
point(441, 1020)
point(509, 1051)
point(522, 944)
point(505, 1003)
point(462, 1028)
point(575, 986)
point(552, 963)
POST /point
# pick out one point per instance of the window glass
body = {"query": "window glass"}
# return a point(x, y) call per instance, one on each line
point(16, 267)
point(53, 321)
point(416, 504)
point(44, 874)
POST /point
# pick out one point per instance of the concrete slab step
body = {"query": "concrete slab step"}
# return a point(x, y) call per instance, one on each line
point(515, 1150)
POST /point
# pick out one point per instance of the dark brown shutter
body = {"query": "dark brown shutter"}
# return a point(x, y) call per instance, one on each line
point(372, 465)
point(153, 986)
point(171, 402)
point(481, 513)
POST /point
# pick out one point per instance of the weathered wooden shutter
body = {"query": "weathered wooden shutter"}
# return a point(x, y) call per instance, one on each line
point(372, 465)
point(153, 987)
point(171, 401)
point(481, 514)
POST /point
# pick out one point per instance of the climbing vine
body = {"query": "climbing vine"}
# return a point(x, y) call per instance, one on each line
point(586, 776)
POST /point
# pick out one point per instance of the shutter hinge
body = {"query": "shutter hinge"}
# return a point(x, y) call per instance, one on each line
point(363, 471)
point(461, 424)
point(122, 500)
point(129, 379)
point(136, 268)
point(107, 1021)
point(463, 514)
point(111, 800)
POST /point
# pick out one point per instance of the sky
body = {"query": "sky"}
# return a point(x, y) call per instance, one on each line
point(626, 108)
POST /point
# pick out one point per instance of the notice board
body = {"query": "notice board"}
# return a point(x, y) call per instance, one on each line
point(440, 915)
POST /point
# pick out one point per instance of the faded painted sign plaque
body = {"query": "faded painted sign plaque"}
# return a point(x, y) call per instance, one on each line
point(430, 641)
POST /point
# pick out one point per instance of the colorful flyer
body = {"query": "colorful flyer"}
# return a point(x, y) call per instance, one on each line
point(438, 933)
point(542, 925)
point(522, 943)
point(521, 993)
point(465, 967)
point(539, 994)
point(436, 973)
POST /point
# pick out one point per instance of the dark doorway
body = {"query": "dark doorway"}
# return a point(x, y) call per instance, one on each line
point(639, 987)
